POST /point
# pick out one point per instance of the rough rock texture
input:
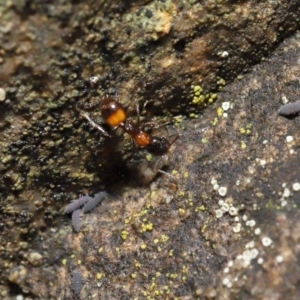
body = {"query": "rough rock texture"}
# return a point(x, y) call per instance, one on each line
point(230, 229)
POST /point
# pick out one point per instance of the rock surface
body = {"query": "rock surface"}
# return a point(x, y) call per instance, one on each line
point(220, 70)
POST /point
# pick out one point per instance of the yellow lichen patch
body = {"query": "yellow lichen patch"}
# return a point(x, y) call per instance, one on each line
point(178, 119)
point(143, 212)
point(204, 140)
point(181, 211)
point(203, 228)
point(200, 208)
point(221, 82)
point(215, 122)
point(99, 276)
point(212, 98)
point(143, 246)
point(172, 275)
point(152, 194)
point(124, 235)
point(202, 98)
point(152, 286)
point(174, 172)
point(189, 201)
point(219, 111)
point(242, 130)
point(164, 238)
point(243, 145)
point(127, 220)
point(181, 193)
point(184, 254)
point(137, 264)
point(146, 227)
point(149, 157)
point(197, 89)
point(246, 130)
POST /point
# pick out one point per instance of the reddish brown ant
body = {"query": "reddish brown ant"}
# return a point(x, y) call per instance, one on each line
point(114, 115)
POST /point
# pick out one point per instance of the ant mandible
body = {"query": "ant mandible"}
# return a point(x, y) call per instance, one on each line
point(114, 115)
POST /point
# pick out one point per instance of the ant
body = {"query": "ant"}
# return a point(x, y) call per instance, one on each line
point(114, 115)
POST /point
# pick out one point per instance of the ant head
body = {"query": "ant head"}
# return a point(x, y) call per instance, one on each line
point(158, 145)
point(112, 111)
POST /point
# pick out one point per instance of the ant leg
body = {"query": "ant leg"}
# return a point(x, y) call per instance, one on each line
point(175, 139)
point(170, 176)
point(154, 125)
point(137, 108)
point(95, 125)
point(146, 103)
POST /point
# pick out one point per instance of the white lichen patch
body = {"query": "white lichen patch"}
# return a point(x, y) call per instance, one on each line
point(284, 99)
point(250, 223)
point(94, 79)
point(223, 54)
point(286, 193)
point(222, 191)
point(249, 245)
point(257, 231)
point(213, 181)
point(2, 94)
point(266, 241)
point(263, 162)
point(260, 260)
point(289, 139)
point(296, 186)
point(279, 259)
point(219, 213)
point(233, 211)
point(216, 187)
point(237, 228)
point(245, 218)
point(226, 105)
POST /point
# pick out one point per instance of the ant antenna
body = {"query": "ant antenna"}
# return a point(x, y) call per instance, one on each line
point(95, 125)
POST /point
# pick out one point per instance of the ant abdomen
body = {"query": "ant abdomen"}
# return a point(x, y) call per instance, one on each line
point(158, 145)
